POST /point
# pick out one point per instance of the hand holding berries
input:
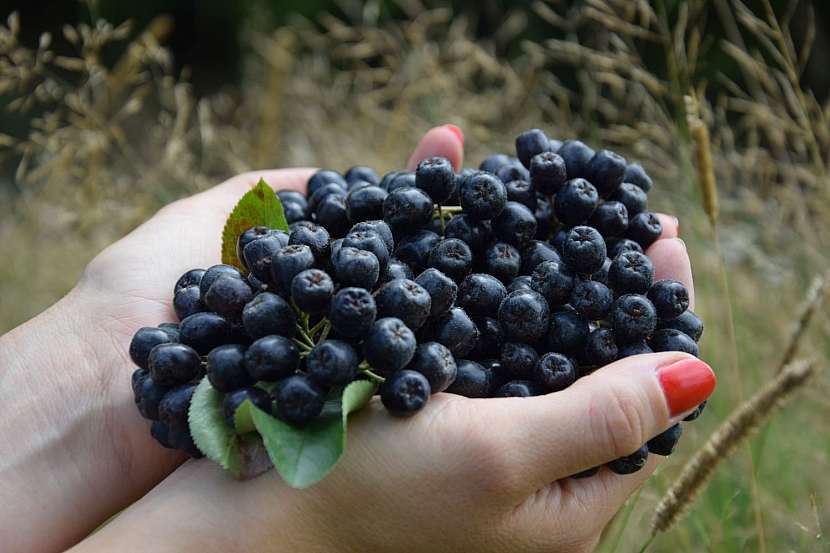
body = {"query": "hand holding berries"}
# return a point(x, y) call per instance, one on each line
point(536, 279)
point(498, 434)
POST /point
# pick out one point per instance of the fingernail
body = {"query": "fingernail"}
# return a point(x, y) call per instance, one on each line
point(677, 224)
point(456, 131)
point(686, 384)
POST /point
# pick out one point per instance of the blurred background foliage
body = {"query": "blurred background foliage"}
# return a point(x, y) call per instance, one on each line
point(111, 109)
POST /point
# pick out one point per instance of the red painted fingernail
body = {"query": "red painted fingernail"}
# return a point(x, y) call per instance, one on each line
point(456, 131)
point(686, 384)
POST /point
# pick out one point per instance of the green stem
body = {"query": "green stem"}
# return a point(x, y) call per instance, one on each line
point(304, 337)
point(304, 348)
point(316, 328)
point(441, 219)
point(326, 329)
point(367, 370)
point(450, 209)
point(648, 543)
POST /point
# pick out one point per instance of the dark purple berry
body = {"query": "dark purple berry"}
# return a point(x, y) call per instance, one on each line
point(471, 380)
point(204, 331)
point(315, 237)
point(481, 294)
point(405, 299)
point(173, 364)
point(503, 261)
point(670, 298)
point(268, 314)
point(577, 156)
point(312, 290)
point(457, 331)
point(352, 312)
point(644, 228)
point(554, 281)
point(298, 400)
point(143, 342)
point(452, 257)
point(332, 363)
point(630, 463)
point(576, 202)
point(635, 174)
point(515, 225)
point(584, 250)
point(669, 339)
point(554, 372)
point(226, 368)
point(666, 442)
point(605, 171)
point(610, 219)
point(404, 393)
point(591, 299)
point(548, 173)
point(631, 273)
point(354, 267)
point(483, 196)
point(389, 345)
point(524, 316)
point(272, 358)
point(601, 347)
point(436, 363)
point(633, 318)
point(568, 332)
point(442, 290)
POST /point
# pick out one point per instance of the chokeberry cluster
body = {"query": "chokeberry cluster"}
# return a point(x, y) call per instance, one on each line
point(515, 279)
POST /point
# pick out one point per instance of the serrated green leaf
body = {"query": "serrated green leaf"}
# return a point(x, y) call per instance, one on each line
point(303, 456)
point(259, 206)
point(242, 419)
point(210, 430)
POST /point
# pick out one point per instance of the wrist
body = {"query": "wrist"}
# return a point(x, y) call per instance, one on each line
point(66, 427)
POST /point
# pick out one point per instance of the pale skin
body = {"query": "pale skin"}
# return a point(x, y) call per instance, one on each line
point(463, 475)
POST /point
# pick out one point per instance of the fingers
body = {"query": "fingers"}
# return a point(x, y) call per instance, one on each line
point(446, 141)
point(671, 261)
point(228, 193)
point(603, 494)
point(670, 224)
point(603, 416)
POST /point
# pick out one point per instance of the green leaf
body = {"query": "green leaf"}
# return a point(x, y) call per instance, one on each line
point(259, 206)
point(303, 456)
point(242, 419)
point(210, 431)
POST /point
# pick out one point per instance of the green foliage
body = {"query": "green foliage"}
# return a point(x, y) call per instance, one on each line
point(211, 433)
point(259, 206)
point(303, 456)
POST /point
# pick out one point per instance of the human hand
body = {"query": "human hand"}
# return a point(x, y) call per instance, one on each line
point(465, 475)
point(68, 425)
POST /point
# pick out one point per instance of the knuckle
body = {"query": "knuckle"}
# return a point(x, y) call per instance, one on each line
point(620, 425)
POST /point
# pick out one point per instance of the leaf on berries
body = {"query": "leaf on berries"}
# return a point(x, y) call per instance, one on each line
point(259, 206)
point(242, 418)
point(211, 432)
point(303, 456)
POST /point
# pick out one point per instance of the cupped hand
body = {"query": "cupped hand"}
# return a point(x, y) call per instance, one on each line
point(69, 428)
point(464, 475)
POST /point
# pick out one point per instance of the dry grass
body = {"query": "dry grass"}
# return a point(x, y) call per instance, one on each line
point(109, 144)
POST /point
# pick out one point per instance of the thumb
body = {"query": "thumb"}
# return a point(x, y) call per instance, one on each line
point(607, 414)
point(445, 141)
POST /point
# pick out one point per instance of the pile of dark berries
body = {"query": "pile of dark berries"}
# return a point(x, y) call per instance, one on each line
point(515, 279)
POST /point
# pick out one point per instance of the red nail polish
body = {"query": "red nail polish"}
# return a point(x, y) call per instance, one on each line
point(456, 131)
point(686, 384)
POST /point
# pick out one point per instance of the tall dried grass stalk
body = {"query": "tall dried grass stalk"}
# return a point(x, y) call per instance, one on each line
point(731, 434)
point(809, 307)
point(703, 159)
